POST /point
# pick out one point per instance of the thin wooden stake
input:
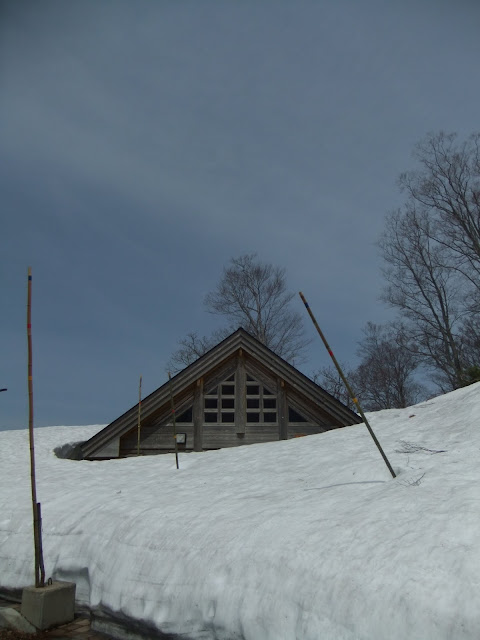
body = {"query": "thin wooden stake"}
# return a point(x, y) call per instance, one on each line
point(139, 414)
point(173, 416)
point(37, 529)
point(349, 389)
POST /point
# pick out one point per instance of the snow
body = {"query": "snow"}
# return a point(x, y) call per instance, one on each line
point(308, 538)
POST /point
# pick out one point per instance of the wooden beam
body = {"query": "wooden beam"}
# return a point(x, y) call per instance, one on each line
point(282, 410)
point(240, 395)
point(198, 416)
point(218, 375)
point(260, 374)
point(182, 403)
point(313, 413)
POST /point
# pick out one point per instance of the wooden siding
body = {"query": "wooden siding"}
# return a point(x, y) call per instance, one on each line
point(157, 432)
point(214, 437)
point(242, 355)
point(110, 450)
point(297, 430)
point(197, 412)
point(217, 437)
point(282, 402)
point(155, 438)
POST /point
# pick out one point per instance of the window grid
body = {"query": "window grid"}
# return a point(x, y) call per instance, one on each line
point(219, 403)
point(261, 403)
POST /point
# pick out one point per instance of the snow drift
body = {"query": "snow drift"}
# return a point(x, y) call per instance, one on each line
point(307, 538)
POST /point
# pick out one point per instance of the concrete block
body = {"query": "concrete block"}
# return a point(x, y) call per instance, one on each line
point(49, 606)
point(11, 619)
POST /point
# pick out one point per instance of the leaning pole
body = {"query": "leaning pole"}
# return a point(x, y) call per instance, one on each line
point(347, 385)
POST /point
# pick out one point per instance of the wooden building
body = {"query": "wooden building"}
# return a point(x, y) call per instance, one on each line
point(237, 393)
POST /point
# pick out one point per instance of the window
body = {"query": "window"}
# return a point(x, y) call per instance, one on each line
point(219, 403)
point(186, 416)
point(228, 389)
point(294, 416)
point(263, 401)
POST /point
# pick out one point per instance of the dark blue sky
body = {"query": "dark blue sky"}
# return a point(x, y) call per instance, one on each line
point(143, 144)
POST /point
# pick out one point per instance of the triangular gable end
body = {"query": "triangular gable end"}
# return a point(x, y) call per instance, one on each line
point(239, 392)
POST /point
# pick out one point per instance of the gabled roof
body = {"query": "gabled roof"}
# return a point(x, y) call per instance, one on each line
point(224, 350)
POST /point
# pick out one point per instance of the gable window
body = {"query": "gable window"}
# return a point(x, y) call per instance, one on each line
point(294, 416)
point(261, 403)
point(185, 417)
point(219, 403)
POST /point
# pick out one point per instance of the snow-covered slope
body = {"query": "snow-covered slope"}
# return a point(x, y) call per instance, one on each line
point(302, 539)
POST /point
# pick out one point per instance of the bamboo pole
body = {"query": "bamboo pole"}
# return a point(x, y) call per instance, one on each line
point(40, 545)
point(174, 421)
point(37, 530)
point(139, 414)
point(347, 385)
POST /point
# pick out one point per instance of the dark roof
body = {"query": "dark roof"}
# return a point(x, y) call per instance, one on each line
point(240, 339)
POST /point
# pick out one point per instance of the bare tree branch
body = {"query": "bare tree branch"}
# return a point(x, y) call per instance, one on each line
point(191, 348)
point(431, 249)
point(253, 295)
point(384, 379)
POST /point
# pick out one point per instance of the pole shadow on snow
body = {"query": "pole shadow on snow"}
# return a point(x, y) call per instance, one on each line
point(343, 484)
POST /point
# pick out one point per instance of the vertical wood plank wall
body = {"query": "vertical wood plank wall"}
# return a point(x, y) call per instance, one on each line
point(157, 436)
point(198, 416)
point(282, 409)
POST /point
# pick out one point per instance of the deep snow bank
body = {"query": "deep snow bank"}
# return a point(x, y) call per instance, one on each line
point(309, 538)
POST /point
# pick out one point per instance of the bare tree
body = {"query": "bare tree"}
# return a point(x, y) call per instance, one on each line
point(427, 291)
point(329, 379)
point(384, 378)
point(385, 375)
point(470, 341)
point(192, 347)
point(447, 185)
point(253, 295)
